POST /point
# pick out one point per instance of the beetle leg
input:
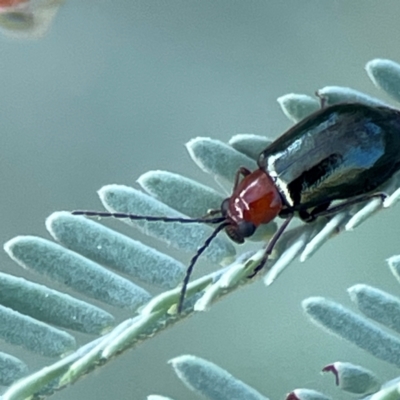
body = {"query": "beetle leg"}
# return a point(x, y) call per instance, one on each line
point(242, 171)
point(271, 245)
point(350, 202)
point(307, 216)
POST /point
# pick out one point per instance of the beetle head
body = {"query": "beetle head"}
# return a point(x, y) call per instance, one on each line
point(255, 201)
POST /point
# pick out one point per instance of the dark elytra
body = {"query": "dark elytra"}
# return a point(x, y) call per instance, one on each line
point(338, 152)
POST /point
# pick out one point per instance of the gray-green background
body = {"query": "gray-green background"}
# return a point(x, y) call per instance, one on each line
point(117, 87)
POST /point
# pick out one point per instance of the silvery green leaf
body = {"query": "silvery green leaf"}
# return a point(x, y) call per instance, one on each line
point(182, 194)
point(353, 378)
point(227, 278)
point(114, 250)
point(91, 354)
point(217, 158)
point(392, 199)
point(31, 21)
point(298, 106)
point(323, 235)
point(387, 393)
point(45, 380)
point(377, 305)
point(187, 237)
point(394, 265)
point(167, 301)
point(51, 306)
point(21, 330)
point(360, 331)
point(359, 217)
point(289, 246)
point(211, 381)
point(290, 254)
point(306, 394)
point(11, 369)
point(140, 327)
point(115, 342)
point(73, 270)
point(385, 74)
point(340, 94)
point(249, 144)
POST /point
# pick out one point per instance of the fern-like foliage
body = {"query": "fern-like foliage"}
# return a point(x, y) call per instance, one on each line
point(88, 257)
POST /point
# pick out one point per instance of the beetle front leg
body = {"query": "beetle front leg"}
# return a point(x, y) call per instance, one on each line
point(270, 246)
point(309, 216)
point(242, 171)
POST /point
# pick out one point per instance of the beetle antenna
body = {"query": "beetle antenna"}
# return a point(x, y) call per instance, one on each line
point(149, 218)
point(194, 260)
point(206, 219)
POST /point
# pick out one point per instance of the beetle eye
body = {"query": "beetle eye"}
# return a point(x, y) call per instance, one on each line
point(246, 228)
point(234, 234)
point(240, 231)
point(225, 207)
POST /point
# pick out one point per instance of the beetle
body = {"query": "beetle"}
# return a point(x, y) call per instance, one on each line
point(341, 152)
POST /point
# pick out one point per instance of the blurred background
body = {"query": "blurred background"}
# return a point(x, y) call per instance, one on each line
point(116, 88)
